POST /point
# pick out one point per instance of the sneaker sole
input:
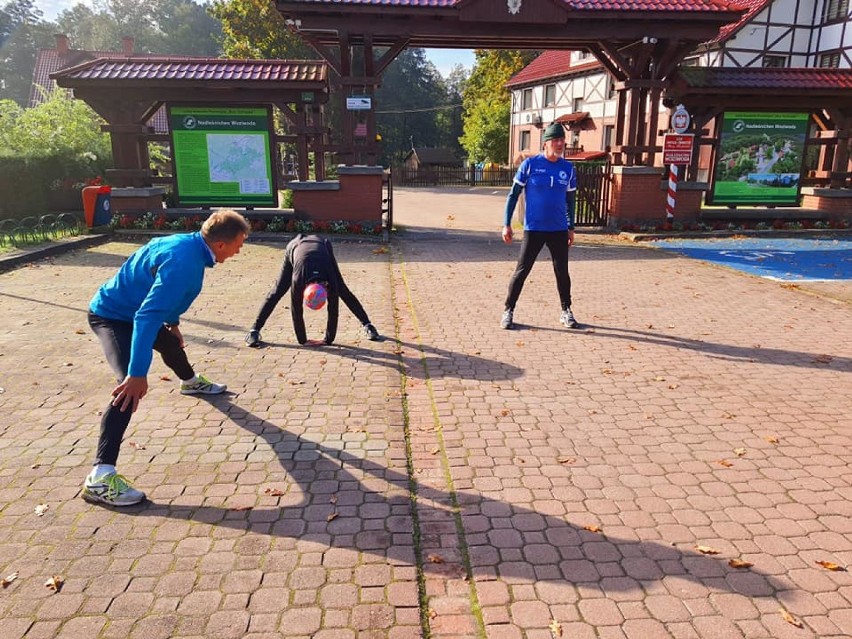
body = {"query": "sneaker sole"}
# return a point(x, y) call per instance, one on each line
point(574, 325)
point(100, 501)
point(203, 392)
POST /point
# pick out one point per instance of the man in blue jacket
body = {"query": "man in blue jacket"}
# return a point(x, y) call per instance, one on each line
point(137, 312)
point(550, 183)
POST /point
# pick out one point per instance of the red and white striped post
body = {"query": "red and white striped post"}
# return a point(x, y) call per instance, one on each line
point(680, 123)
point(671, 193)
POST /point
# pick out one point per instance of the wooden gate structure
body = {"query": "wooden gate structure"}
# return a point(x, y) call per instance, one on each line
point(640, 43)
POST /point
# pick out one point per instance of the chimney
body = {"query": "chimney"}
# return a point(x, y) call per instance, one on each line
point(127, 45)
point(61, 44)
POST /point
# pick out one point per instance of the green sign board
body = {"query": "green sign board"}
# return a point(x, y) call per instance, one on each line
point(760, 159)
point(222, 156)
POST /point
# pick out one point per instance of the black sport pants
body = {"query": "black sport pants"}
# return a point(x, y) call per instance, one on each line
point(534, 241)
point(115, 337)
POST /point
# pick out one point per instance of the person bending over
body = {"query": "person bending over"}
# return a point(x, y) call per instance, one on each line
point(309, 259)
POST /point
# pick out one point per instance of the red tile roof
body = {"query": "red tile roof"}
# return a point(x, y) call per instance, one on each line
point(49, 61)
point(550, 64)
point(197, 69)
point(751, 7)
point(755, 79)
point(577, 5)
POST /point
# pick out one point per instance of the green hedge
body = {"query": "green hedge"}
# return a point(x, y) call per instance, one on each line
point(36, 184)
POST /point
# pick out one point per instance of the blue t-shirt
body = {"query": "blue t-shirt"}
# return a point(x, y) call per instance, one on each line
point(546, 185)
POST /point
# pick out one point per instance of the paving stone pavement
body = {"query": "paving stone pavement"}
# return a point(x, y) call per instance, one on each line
point(454, 480)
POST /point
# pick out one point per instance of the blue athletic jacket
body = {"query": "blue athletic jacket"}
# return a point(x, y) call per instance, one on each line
point(154, 287)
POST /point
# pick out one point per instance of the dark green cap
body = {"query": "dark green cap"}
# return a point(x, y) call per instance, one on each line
point(555, 130)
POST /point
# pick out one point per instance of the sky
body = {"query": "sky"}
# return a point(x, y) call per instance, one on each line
point(443, 59)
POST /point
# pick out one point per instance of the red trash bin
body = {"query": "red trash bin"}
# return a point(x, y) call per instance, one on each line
point(96, 205)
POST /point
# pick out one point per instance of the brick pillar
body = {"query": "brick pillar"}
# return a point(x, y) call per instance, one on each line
point(355, 197)
point(638, 198)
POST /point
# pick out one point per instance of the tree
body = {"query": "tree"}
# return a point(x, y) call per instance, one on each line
point(169, 27)
point(254, 29)
point(22, 33)
point(487, 103)
point(409, 103)
point(59, 126)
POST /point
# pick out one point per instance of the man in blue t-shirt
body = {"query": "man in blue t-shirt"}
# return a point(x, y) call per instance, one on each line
point(550, 184)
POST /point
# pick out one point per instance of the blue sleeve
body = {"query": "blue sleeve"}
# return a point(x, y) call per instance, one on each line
point(571, 197)
point(511, 203)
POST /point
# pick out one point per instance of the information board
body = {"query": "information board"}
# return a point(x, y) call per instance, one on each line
point(760, 159)
point(222, 156)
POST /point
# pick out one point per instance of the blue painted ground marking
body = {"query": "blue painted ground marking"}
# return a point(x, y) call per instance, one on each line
point(781, 259)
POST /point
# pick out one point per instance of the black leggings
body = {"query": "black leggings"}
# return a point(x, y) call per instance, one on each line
point(534, 241)
point(115, 337)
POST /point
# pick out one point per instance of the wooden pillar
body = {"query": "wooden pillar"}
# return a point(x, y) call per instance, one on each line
point(620, 113)
point(653, 120)
point(840, 167)
point(302, 141)
point(370, 72)
point(347, 152)
point(319, 141)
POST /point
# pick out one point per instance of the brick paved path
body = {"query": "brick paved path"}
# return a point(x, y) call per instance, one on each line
point(453, 480)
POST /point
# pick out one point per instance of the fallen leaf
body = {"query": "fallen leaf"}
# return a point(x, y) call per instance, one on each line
point(41, 509)
point(555, 628)
point(739, 563)
point(136, 446)
point(829, 565)
point(435, 559)
point(739, 452)
point(432, 613)
point(380, 250)
point(673, 386)
point(55, 583)
point(332, 499)
point(435, 451)
point(165, 378)
point(80, 331)
point(659, 379)
point(296, 382)
point(504, 412)
point(8, 579)
point(274, 492)
point(724, 462)
point(772, 439)
point(593, 528)
point(239, 508)
point(790, 619)
point(566, 460)
point(823, 359)
point(519, 343)
point(67, 364)
point(332, 516)
point(707, 550)
point(727, 415)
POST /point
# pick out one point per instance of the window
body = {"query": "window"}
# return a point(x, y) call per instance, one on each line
point(550, 95)
point(526, 99)
point(829, 60)
point(578, 105)
point(775, 61)
point(610, 94)
point(835, 10)
point(582, 55)
point(609, 133)
point(524, 142)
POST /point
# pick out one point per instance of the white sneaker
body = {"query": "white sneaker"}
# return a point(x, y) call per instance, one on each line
point(111, 489)
point(201, 386)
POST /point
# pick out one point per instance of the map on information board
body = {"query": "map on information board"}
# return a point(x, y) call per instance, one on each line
point(222, 156)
